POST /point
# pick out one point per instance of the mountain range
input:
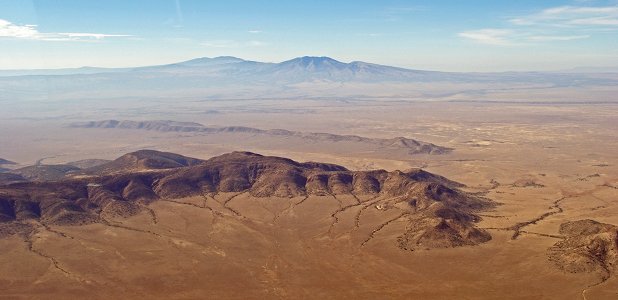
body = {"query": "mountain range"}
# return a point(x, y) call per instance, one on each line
point(440, 214)
point(319, 67)
point(231, 77)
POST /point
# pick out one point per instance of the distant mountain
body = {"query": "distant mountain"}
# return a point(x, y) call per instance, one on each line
point(88, 163)
point(325, 68)
point(410, 145)
point(142, 160)
point(157, 125)
point(44, 172)
point(58, 72)
point(230, 77)
point(319, 66)
point(592, 70)
point(313, 63)
point(9, 178)
point(6, 165)
point(205, 61)
point(194, 63)
point(6, 162)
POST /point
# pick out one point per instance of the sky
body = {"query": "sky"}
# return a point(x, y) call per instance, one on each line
point(457, 35)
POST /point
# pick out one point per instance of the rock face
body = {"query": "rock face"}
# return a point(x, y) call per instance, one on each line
point(413, 146)
point(438, 214)
point(589, 246)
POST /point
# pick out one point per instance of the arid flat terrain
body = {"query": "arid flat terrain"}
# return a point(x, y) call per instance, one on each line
point(548, 170)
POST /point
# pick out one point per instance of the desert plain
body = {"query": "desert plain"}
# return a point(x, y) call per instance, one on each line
point(540, 164)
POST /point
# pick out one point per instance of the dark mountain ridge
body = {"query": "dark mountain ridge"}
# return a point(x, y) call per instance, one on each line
point(439, 211)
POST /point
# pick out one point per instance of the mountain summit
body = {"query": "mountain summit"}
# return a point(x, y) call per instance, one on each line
point(313, 63)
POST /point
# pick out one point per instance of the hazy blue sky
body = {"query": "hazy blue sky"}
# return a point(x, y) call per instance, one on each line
point(458, 35)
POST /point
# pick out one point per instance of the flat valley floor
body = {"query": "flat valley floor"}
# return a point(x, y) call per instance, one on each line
point(544, 164)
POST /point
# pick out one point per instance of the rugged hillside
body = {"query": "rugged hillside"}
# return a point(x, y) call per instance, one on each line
point(413, 146)
point(437, 213)
point(589, 246)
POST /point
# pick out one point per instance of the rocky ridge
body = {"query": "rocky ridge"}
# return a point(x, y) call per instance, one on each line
point(438, 214)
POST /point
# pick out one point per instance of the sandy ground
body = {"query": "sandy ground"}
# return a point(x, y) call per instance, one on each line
point(530, 158)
